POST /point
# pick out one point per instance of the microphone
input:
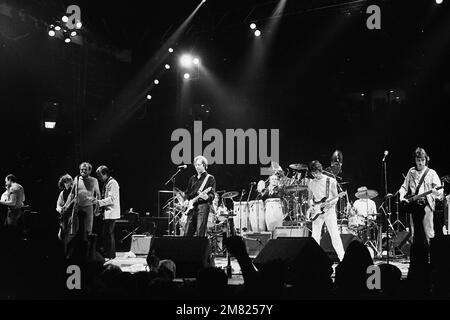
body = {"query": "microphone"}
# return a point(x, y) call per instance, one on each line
point(385, 155)
point(183, 166)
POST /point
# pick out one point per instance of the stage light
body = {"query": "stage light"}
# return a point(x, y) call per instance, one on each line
point(167, 66)
point(65, 19)
point(362, 94)
point(149, 97)
point(156, 81)
point(170, 50)
point(252, 26)
point(73, 33)
point(79, 24)
point(392, 91)
point(186, 76)
point(57, 28)
point(49, 124)
point(186, 60)
point(51, 33)
point(439, 1)
point(257, 33)
point(67, 40)
point(196, 61)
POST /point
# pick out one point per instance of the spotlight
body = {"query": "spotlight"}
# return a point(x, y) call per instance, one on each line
point(257, 33)
point(65, 19)
point(149, 97)
point(73, 33)
point(252, 26)
point(439, 1)
point(170, 50)
point(79, 25)
point(196, 61)
point(67, 40)
point(362, 94)
point(167, 66)
point(51, 33)
point(186, 60)
point(156, 81)
point(57, 28)
point(186, 76)
point(49, 124)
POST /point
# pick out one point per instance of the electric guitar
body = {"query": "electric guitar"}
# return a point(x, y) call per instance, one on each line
point(319, 206)
point(192, 202)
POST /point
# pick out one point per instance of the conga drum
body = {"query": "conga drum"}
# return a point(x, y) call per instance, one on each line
point(257, 216)
point(241, 211)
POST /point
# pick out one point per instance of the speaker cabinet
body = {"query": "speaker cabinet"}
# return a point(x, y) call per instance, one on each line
point(301, 259)
point(157, 227)
point(188, 254)
point(255, 242)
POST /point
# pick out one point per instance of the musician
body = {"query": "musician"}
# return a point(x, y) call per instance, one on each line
point(84, 191)
point(198, 217)
point(323, 186)
point(65, 184)
point(364, 206)
point(15, 197)
point(109, 203)
point(273, 190)
point(422, 210)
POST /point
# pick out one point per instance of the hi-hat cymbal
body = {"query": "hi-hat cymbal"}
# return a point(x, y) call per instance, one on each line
point(366, 194)
point(296, 187)
point(298, 166)
point(230, 195)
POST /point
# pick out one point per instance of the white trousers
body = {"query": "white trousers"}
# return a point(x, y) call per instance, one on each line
point(330, 220)
point(428, 225)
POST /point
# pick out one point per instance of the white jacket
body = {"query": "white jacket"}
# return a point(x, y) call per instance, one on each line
point(111, 202)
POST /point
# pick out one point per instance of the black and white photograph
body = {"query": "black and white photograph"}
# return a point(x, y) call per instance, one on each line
point(225, 156)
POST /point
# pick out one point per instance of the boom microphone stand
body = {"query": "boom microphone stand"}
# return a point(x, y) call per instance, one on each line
point(172, 179)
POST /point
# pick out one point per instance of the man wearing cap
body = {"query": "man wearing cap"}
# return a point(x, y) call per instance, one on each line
point(364, 206)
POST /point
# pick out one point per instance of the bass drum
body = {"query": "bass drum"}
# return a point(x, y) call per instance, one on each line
point(257, 216)
point(274, 213)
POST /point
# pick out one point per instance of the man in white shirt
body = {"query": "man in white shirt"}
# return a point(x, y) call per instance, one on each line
point(13, 199)
point(110, 205)
point(323, 186)
point(364, 206)
point(422, 210)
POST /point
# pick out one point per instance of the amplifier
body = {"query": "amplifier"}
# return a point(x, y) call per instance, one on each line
point(290, 232)
point(255, 242)
point(140, 244)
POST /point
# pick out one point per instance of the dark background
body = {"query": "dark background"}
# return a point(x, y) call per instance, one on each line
point(307, 83)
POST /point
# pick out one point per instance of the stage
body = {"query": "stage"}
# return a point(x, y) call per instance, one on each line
point(128, 262)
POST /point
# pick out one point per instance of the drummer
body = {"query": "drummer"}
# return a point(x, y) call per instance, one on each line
point(364, 206)
point(273, 190)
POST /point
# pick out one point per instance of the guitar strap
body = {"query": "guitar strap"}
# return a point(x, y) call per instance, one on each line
point(327, 188)
point(421, 181)
point(203, 184)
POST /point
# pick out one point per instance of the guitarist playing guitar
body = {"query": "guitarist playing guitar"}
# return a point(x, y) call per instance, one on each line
point(425, 187)
point(201, 188)
point(325, 196)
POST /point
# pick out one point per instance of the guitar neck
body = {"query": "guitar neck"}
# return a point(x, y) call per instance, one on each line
point(414, 198)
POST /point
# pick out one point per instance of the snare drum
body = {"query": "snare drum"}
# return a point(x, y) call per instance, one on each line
point(356, 222)
point(274, 213)
point(240, 220)
point(257, 216)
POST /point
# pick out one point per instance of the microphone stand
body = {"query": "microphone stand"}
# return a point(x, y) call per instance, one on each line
point(248, 202)
point(241, 211)
point(172, 179)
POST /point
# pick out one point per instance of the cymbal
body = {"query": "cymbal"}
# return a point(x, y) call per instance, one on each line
point(367, 194)
point(230, 195)
point(296, 187)
point(298, 166)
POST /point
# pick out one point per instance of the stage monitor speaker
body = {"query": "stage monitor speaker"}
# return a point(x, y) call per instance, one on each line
point(140, 244)
point(188, 254)
point(157, 227)
point(301, 258)
point(255, 242)
point(439, 251)
point(401, 242)
point(327, 245)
